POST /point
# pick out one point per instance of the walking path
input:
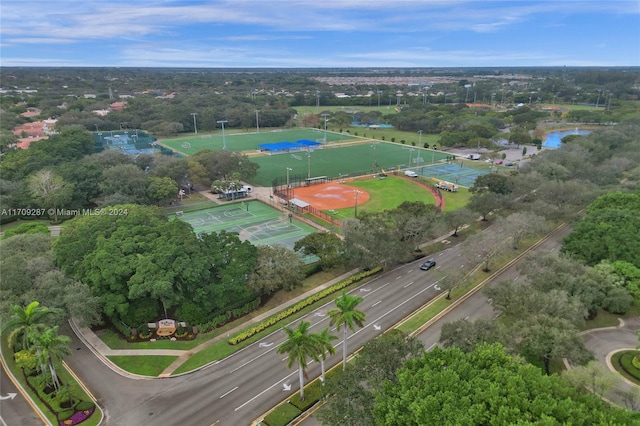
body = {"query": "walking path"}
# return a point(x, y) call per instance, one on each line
point(103, 351)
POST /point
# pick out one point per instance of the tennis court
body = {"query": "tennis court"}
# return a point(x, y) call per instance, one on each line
point(252, 221)
point(454, 173)
point(249, 141)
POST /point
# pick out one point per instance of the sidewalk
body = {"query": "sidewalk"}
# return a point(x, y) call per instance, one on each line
point(101, 350)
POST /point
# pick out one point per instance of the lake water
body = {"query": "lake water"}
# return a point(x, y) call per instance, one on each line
point(554, 139)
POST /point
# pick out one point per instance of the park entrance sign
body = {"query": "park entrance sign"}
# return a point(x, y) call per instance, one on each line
point(166, 327)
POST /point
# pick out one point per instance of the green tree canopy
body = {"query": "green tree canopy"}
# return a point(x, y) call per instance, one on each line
point(486, 386)
point(139, 256)
point(608, 231)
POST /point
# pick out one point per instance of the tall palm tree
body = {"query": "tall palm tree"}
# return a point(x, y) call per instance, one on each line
point(345, 314)
point(323, 339)
point(299, 346)
point(50, 346)
point(26, 323)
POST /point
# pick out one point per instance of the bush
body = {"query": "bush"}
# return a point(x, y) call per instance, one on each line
point(312, 394)
point(65, 415)
point(282, 416)
point(27, 228)
point(85, 405)
point(626, 362)
point(250, 332)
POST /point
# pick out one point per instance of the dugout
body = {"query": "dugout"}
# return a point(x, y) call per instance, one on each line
point(316, 180)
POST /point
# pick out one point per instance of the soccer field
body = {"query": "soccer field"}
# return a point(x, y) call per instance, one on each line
point(342, 161)
point(248, 141)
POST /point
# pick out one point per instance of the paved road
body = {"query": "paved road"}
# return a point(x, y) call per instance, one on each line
point(604, 342)
point(237, 390)
point(16, 411)
point(475, 307)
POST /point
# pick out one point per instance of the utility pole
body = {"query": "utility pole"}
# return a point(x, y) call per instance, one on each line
point(257, 122)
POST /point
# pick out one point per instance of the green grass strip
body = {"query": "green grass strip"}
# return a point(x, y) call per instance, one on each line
point(149, 365)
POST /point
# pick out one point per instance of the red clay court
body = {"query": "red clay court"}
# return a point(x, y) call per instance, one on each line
point(328, 196)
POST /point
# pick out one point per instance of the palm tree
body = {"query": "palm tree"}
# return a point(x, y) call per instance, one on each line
point(299, 346)
point(50, 346)
point(26, 323)
point(345, 314)
point(323, 339)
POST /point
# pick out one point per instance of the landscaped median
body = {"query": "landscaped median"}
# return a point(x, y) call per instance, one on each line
point(71, 405)
point(246, 334)
point(289, 410)
point(221, 349)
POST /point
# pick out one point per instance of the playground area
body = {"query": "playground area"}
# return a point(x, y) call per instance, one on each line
point(253, 221)
point(249, 141)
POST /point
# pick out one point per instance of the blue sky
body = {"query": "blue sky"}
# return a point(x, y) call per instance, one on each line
point(319, 33)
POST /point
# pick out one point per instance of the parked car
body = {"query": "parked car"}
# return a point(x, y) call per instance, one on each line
point(411, 173)
point(509, 164)
point(428, 265)
point(498, 162)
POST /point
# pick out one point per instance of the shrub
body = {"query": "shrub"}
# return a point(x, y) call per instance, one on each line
point(626, 362)
point(27, 228)
point(65, 415)
point(85, 405)
point(250, 332)
point(282, 416)
point(145, 332)
point(312, 394)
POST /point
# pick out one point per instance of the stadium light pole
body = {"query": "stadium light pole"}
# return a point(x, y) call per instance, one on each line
point(325, 126)
point(420, 138)
point(308, 163)
point(195, 127)
point(355, 211)
point(375, 161)
point(224, 142)
point(257, 122)
point(288, 186)
point(379, 93)
point(317, 101)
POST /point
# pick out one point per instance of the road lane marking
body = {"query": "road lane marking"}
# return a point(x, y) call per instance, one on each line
point(408, 284)
point(225, 394)
point(376, 304)
point(266, 390)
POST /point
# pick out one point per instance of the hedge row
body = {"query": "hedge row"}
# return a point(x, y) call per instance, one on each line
point(250, 332)
point(626, 362)
point(224, 318)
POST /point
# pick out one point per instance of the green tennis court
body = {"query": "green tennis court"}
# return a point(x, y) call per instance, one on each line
point(454, 173)
point(248, 141)
point(253, 221)
point(339, 161)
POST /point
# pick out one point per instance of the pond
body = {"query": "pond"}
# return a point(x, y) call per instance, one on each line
point(554, 139)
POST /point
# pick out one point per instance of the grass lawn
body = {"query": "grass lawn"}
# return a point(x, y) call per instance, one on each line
point(222, 349)
point(148, 365)
point(247, 141)
point(115, 341)
point(386, 194)
point(340, 161)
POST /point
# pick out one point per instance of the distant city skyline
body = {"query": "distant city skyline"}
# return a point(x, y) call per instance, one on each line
point(319, 34)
